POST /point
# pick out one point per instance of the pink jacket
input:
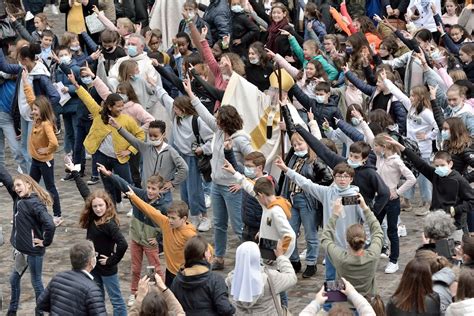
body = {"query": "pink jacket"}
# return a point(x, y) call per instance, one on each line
point(131, 108)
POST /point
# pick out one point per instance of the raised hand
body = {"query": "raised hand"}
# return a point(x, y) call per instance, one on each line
point(270, 54)
point(113, 122)
point(73, 80)
point(101, 169)
point(280, 164)
point(228, 167)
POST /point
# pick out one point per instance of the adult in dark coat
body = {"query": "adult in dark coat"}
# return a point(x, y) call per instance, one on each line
point(74, 292)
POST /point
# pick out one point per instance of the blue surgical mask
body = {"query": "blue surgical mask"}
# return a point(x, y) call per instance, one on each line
point(301, 153)
point(353, 164)
point(445, 135)
point(249, 172)
point(237, 8)
point(65, 60)
point(124, 97)
point(135, 77)
point(320, 98)
point(342, 188)
point(442, 171)
point(349, 50)
point(355, 121)
point(132, 50)
point(75, 48)
point(87, 80)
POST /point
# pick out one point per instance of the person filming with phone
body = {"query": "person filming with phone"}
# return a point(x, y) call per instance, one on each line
point(355, 263)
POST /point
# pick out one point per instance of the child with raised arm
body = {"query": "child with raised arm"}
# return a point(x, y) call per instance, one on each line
point(175, 228)
point(341, 188)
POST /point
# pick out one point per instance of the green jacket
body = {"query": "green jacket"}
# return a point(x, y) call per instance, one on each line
point(298, 51)
point(358, 270)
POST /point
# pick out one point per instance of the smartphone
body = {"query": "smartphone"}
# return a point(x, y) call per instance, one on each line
point(150, 272)
point(446, 248)
point(350, 200)
point(333, 291)
point(267, 247)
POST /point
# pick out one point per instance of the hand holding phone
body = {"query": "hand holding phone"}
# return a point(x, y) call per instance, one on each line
point(150, 272)
point(333, 291)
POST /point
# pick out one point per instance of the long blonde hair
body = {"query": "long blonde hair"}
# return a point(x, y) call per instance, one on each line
point(43, 195)
point(311, 154)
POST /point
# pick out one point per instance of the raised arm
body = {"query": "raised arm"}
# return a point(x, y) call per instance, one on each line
point(154, 214)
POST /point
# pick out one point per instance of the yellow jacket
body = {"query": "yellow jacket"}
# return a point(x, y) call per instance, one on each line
point(99, 130)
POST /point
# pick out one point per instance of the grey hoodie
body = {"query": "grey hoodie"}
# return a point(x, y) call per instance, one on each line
point(240, 143)
point(167, 163)
point(352, 214)
point(441, 282)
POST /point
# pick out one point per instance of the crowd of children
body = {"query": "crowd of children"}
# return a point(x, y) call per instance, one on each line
point(360, 101)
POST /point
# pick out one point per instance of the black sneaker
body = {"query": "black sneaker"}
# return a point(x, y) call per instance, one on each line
point(296, 266)
point(93, 180)
point(310, 271)
point(384, 254)
point(68, 177)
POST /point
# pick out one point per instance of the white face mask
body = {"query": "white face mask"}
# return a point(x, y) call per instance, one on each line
point(320, 98)
point(191, 15)
point(155, 142)
point(254, 61)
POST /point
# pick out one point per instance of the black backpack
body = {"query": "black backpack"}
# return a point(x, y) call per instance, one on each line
point(410, 144)
point(204, 161)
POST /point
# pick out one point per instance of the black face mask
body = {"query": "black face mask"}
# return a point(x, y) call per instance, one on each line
point(109, 49)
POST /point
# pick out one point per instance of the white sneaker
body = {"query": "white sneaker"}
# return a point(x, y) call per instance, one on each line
point(131, 300)
point(207, 200)
point(303, 255)
point(324, 261)
point(54, 9)
point(402, 230)
point(391, 267)
point(422, 212)
point(88, 157)
point(1, 184)
point(195, 220)
point(130, 213)
point(204, 225)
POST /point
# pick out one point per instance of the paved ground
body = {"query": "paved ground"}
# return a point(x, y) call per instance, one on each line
point(56, 258)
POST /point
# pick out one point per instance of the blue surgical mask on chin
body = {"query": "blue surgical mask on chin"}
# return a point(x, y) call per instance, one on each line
point(457, 108)
point(354, 164)
point(355, 121)
point(342, 188)
point(301, 153)
point(445, 135)
point(442, 171)
point(249, 172)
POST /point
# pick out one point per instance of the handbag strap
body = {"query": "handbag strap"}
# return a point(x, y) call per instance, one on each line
point(196, 129)
point(272, 292)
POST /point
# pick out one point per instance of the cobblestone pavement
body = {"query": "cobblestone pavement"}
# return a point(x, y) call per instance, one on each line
point(57, 259)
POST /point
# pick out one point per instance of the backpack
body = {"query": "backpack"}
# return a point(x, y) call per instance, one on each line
point(410, 144)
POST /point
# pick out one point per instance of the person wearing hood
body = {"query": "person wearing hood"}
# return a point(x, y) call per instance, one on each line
point(324, 106)
point(343, 177)
point(391, 169)
point(199, 290)
point(253, 288)
point(355, 263)
point(464, 304)
point(226, 202)
point(451, 191)
point(443, 276)
point(374, 190)
point(69, 109)
point(40, 78)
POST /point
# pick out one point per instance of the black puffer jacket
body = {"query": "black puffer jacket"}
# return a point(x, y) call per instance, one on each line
point(244, 29)
point(30, 218)
point(202, 292)
point(217, 15)
point(72, 293)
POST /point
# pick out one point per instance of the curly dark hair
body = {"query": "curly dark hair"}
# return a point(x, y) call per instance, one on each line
point(110, 101)
point(229, 120)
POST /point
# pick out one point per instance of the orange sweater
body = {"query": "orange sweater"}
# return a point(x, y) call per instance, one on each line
point(42, 136)
point(174, 239)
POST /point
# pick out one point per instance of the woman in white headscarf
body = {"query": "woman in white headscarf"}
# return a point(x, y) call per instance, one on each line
point(249, 282)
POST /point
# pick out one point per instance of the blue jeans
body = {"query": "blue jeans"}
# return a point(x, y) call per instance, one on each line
point(206, 186)
point(35, 265)
point(426, 188)
point(41, 169)
point(8, 131)
point(112, 285)
point(303, 213)
point(392, 210)
point(330, 270)
point(70, 126)
point(118, 168)
point(189, 192)
point(26, 127)
point(225, 204)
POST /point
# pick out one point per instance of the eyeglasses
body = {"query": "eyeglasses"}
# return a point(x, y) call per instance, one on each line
point(342, 176)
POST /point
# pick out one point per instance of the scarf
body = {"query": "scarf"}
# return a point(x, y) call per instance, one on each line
point(273, 32)
point(247, 282)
